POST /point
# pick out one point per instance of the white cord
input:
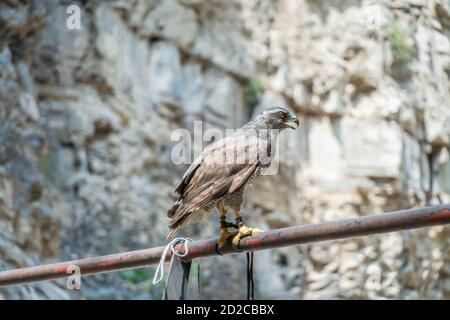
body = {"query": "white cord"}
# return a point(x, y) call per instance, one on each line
point(159, 274)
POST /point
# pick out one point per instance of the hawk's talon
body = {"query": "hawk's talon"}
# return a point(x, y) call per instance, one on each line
point(232, 225)
point(237, 247)
point(242, 233)
point(216, 247)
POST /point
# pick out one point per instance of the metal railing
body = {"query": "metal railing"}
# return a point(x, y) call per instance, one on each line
point(359, 226)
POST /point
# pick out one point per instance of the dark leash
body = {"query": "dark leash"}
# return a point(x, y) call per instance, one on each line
point(250, 282)
point(185, 272)
point(176, 289)
point(249, 256)
point(176, 285)
point(186, 268)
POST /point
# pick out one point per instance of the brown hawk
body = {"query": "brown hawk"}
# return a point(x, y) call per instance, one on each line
point(218, 177)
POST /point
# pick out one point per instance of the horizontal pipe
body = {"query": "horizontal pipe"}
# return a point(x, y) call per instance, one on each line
point(359, 226)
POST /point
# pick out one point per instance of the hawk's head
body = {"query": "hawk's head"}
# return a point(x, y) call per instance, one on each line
point(278, 118)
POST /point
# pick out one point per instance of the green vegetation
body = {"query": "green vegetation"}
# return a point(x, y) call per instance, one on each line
point(253, 91)
point(135, 276)
point(47, 167)
point(141, 279)
point(401, 43)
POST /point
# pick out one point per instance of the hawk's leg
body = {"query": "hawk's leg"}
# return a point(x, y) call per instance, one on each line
point(224, 233)
point(244, 231)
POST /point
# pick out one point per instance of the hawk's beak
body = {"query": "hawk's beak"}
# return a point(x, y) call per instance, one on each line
point(293, 123)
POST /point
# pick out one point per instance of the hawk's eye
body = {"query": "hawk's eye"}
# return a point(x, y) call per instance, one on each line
point(282, 114)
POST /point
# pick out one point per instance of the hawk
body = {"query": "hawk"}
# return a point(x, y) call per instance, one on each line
point(219, 176)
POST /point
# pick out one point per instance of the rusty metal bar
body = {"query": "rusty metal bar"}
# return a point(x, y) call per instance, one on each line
point(359, 226)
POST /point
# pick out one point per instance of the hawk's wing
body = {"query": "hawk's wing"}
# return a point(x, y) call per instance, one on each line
point(223, 168)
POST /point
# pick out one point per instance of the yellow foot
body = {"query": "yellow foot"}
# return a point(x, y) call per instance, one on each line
point(244, 232)
point(224, 235)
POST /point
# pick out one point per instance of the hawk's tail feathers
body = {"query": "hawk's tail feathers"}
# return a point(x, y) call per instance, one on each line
point(177, 214)
point(173, 210)
point(173, 224)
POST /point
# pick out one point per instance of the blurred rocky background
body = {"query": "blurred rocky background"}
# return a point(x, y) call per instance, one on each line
point(86, 118)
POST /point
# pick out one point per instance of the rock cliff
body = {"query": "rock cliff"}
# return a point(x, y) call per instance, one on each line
point(86, 117)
